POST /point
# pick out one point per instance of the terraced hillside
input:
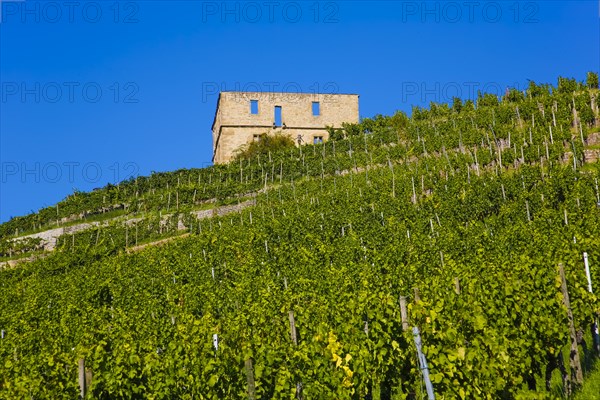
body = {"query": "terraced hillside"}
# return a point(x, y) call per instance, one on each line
point(286, 271)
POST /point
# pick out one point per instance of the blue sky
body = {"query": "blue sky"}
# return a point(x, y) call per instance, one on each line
point(96, 91)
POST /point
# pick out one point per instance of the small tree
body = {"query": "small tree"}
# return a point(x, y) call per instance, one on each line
point(335, 133)
point(486, 99)
point(351, 129)
point(399, 120)
point(468, 106)
point(535, 90)
point(514, 96)
point(265, 144)
point(457, 104)
point(592, 80)
point(567, 85)
point(419, 113)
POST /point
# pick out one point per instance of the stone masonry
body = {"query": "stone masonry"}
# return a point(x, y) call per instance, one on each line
point(242, 117)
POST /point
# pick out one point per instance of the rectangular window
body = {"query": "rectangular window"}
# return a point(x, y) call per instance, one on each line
point(253, 106)
point(317, 139)
point(316, 108)
point(277, 116)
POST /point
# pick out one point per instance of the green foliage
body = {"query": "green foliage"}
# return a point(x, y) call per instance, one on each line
point(567, 85)
point(20, 246)
point(144, 322)
point(486, 99)
point(469, 105)
point(351, 130)
point(335, 133)
point(592, 80)
point(264, 145)
point(399, 121)
point(341, 231)
point(457, 104)
point(432, 130)
point(591, 388)
point(535, 90)
point(514, 96)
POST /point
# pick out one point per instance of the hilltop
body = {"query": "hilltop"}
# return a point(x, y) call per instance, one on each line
point(285, 273)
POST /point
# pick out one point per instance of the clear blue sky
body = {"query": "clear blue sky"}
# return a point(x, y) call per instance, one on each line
point(92, 92)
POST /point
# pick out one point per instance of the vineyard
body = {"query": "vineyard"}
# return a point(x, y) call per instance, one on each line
point(300, 274)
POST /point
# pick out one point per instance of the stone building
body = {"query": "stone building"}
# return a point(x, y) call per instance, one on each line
point(242, 117)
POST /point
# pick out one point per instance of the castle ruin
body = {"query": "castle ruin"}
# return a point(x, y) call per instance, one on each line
point(242, 117)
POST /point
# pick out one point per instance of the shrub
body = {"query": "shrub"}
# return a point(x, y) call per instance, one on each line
point(267, 143)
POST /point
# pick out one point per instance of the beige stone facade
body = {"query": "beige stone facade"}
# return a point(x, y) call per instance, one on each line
point(242, 116)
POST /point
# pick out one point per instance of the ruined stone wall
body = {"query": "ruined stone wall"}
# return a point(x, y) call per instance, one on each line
point(236, 126)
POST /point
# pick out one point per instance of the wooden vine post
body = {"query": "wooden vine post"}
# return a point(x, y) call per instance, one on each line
point(294, 338)
point(293, 328)
point(250, 379)
point(417, 296)
point(423, 364)
point(403, 313)
point(456, 285)
point(418, 344)
point(85, 378)
point(574, 358)
point(594, 326)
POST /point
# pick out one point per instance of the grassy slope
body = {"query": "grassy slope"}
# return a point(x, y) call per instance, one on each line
point(591, 386)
